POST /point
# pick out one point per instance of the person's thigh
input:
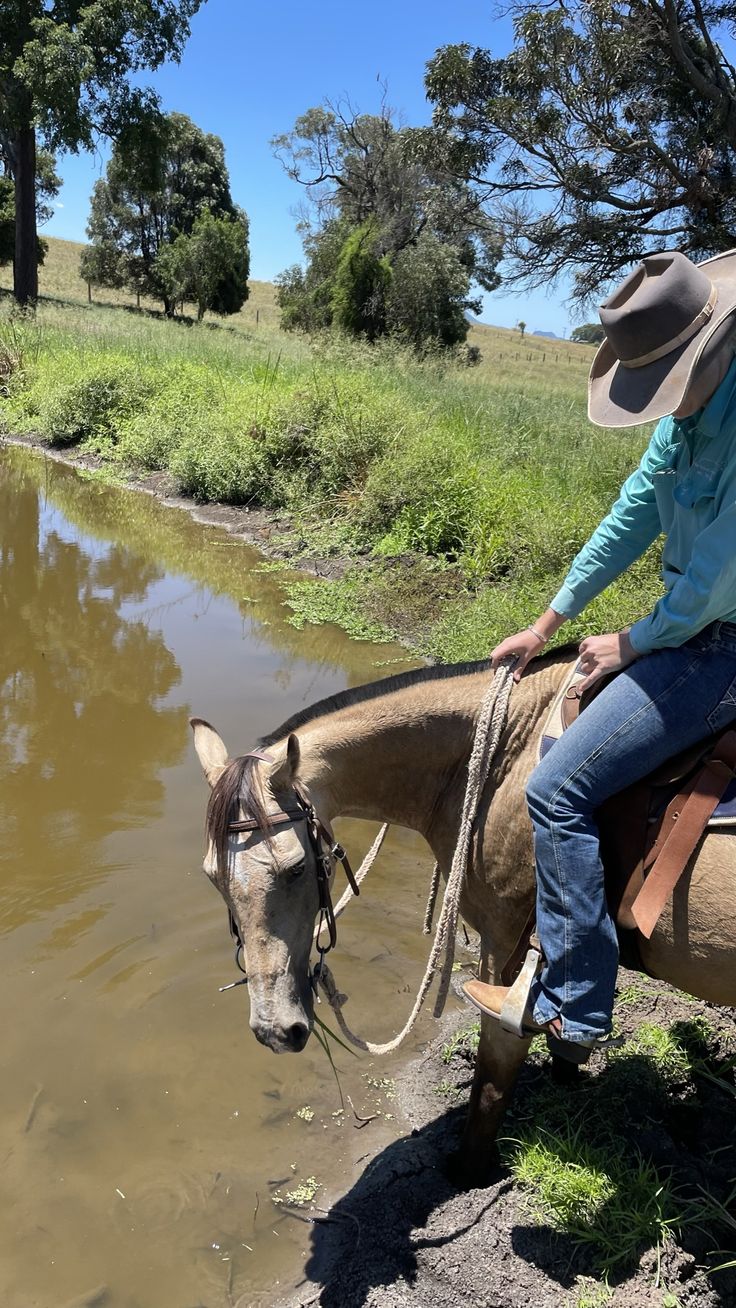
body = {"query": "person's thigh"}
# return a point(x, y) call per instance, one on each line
point(663, 703)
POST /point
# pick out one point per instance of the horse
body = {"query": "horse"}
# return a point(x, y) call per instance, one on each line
point(397, 751)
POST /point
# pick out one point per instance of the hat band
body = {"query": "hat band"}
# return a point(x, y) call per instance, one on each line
point(686, 334)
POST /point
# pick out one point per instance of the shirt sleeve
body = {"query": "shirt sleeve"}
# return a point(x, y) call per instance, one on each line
point(703, 593)
point(623, 536)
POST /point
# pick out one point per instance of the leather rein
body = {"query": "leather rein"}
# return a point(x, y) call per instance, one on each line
point(324, 848)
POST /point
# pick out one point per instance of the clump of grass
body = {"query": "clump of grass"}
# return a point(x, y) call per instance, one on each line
point(465, 1040)
point(576, 1153)
point(606, 1201)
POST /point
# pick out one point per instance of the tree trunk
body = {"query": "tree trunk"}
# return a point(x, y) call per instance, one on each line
point(25, 264)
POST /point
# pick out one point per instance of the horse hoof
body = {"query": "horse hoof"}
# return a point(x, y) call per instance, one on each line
point(468, 1174)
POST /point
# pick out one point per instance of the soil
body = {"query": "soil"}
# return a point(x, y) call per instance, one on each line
point(405, 1236)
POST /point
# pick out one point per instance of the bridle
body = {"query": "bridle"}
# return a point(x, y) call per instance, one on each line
point(324, 848)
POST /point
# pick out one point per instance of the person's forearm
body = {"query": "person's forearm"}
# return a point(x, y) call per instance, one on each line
point(548, 624)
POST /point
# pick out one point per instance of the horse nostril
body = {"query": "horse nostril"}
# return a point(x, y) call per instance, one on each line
point(297, 1035)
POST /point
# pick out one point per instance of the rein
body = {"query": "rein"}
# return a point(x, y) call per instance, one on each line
point(325, 849)
point(486, 742)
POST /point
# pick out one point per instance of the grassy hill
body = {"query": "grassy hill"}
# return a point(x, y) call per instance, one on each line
point(59, 279)
point(558, 362)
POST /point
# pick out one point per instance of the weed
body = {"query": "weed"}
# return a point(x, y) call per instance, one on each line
point(465, 1040)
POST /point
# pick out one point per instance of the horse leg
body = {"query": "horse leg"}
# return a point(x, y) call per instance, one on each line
point(498, 1063)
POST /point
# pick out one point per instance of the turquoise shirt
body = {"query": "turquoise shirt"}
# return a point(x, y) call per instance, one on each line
point(685, 486)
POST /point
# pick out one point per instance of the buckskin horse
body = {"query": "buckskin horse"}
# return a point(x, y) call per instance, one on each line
point(397, 751)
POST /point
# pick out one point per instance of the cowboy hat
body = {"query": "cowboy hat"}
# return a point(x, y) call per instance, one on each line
point(659, 323)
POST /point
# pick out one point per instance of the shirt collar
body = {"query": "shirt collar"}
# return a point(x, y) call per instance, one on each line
point(709, 420)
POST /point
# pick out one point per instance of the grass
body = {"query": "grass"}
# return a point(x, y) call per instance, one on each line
point(576, 1154)
point(482, 482)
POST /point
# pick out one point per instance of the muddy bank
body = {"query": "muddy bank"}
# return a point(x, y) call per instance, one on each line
point(404, 1236)
point(273, 533)
point(397, 598)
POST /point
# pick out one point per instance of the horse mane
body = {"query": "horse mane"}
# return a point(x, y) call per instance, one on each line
point(239, 785)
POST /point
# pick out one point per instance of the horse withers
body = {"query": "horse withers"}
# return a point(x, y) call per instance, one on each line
point(397, 751)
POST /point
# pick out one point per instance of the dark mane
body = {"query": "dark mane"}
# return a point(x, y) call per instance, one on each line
point(239, 785)
point(373, 690)
point(389, 686)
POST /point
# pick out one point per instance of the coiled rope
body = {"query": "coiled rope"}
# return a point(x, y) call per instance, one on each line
point(491, 721)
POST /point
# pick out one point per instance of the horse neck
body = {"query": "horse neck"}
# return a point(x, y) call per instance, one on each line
point(401, 758)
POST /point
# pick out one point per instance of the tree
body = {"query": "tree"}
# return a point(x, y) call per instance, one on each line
point(362, 168)
point(210, 266)
point(361, 279)
point(47, 186)
point(522, 328)
point(427, 298)
point(607, 133)
point(64, 66)
point(589, 333)
point(157, 184)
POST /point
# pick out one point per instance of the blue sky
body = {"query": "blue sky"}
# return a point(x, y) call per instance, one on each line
point(247, 73)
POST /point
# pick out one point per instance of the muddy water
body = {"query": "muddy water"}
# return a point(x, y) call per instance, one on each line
point(143, 1131)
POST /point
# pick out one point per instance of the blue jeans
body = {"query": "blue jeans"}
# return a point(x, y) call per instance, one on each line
point(661, 704)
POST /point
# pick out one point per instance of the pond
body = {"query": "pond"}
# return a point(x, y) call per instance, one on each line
point(143, 1131)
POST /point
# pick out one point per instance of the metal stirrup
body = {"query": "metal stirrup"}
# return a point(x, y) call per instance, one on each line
point(515, 1004)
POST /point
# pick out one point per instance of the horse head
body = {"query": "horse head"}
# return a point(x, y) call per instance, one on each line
point(268, 879)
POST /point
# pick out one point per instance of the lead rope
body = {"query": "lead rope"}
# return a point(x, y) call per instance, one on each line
point(491, 721)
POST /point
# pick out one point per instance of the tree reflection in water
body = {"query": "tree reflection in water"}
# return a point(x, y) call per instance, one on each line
point(83, 731)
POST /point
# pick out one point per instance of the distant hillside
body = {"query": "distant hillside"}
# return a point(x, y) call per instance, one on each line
point(550, 335)
point(59, 279)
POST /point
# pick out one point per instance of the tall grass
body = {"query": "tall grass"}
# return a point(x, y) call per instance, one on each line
point(491, 475)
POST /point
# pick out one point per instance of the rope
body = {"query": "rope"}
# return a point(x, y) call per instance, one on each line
point(434, 887)
point(491, 720)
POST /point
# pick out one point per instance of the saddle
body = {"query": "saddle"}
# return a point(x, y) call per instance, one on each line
point(650, 831)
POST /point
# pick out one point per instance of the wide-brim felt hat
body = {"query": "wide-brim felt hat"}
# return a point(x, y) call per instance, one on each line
point(658, 324)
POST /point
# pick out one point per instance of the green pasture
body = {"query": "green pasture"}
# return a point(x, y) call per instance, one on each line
point(482, 482)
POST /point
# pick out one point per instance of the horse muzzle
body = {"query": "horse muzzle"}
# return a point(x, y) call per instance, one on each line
point(288, 1037)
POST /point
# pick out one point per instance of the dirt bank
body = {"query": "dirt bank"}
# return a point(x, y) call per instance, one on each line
point(404, 1236)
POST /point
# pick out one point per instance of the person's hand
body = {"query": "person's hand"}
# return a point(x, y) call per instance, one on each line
point(602, 654)
point(523, 646)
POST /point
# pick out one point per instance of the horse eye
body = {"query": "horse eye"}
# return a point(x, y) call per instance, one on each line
point(297, 869)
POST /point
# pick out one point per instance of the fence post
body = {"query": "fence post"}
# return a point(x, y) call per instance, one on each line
point(257, 313)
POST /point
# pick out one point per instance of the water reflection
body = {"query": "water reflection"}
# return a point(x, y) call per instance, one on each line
point(74, 677)
point(141, 1126)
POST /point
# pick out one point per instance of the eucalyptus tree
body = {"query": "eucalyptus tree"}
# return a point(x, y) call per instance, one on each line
point(371, 197)
point(155, 188)
point(608, 132)
point(64, 74)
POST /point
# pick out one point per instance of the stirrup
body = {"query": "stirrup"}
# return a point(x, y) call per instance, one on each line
point(516, 1003)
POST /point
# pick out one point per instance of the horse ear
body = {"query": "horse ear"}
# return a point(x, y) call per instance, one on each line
point(210, 748)
point(284, 771)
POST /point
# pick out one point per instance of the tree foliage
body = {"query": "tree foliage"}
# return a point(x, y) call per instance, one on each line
point(374, 201)
point(47, 186)
point(607, 133)
point(588, 333)
point(64, 70)
point(158, 183)
point(210, 266)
